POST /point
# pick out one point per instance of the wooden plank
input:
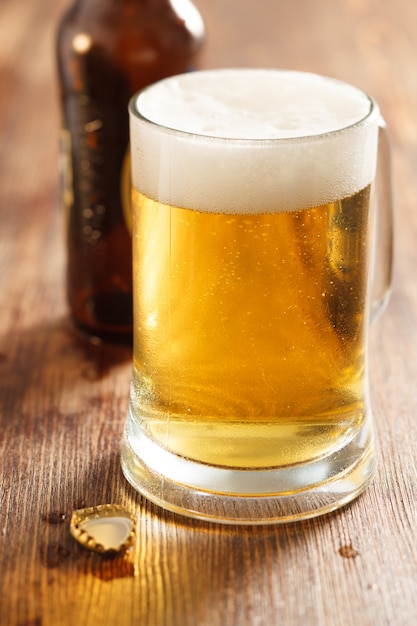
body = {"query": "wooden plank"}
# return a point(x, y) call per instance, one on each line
point(63, 401)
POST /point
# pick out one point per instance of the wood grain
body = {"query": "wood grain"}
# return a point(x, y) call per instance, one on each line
point(63, 401)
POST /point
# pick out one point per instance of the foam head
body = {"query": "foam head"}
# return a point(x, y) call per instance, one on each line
point(247, 140)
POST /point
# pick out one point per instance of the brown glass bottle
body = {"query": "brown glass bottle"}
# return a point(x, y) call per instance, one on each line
point(107, 50)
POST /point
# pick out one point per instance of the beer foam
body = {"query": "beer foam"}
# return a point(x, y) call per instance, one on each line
point(249, 140)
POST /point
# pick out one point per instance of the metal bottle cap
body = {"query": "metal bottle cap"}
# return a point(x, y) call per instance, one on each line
point(104, 529)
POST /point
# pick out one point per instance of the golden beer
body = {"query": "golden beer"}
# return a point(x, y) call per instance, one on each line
point(251, 334)
point(252, 242)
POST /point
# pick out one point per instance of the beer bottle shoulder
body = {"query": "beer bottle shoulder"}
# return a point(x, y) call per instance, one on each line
point(144, 41)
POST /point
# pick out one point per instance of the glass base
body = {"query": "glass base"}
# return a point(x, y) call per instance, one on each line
point(248, 496)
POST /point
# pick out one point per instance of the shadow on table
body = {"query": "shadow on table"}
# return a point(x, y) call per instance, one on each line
point(53, 357)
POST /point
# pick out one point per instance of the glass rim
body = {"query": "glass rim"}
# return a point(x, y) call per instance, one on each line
point(372, 114)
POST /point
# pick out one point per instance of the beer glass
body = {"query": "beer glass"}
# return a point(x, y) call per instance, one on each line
point(254, 259)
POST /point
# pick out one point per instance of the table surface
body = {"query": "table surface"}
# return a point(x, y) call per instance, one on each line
point(63, 401)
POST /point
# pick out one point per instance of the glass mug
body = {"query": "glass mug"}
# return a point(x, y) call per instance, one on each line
point(253, 245)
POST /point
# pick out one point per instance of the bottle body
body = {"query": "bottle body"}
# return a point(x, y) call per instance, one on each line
point(107, 50)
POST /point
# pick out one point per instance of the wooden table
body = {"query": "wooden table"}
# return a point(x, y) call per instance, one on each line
point(63, 401)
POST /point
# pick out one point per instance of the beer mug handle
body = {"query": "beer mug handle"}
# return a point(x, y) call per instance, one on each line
point(384, 227)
